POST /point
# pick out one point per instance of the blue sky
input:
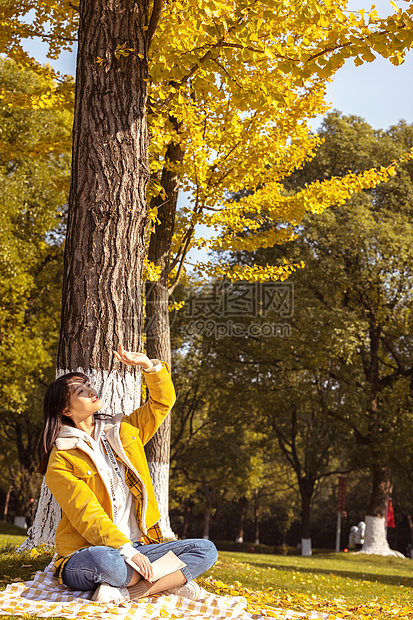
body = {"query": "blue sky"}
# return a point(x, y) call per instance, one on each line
point(379, 92)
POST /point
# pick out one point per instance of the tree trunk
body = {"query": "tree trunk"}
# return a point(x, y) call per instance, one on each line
point(26, 452)
point(379, 491)
point(207, 521)
point(242, 511)
point(410, 522)
point(47, 519)
point(284, 543)
point(101, 304)
point(187, 519)
point(104, 252)
point(375, 538)
point(6, 504)
point(158, 342)
point(306, 490)
point(256, 517)
point(209, 494)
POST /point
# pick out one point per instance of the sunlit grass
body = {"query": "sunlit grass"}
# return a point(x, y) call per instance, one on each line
point(343, 585)
point(11, 534)
point(349, 585)
point(353, 577)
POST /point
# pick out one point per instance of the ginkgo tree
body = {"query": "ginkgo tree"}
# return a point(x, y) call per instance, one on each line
point(229, 103)
point(249, 74)
point(234, 87)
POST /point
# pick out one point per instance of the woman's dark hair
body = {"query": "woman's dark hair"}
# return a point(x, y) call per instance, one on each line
point(56, 401)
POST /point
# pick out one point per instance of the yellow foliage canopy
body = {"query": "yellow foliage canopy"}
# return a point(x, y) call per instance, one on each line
point(239, 80)
point(242, 81)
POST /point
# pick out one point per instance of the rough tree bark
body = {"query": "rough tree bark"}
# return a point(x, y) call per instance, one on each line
point(101, 305)
point(158, 342)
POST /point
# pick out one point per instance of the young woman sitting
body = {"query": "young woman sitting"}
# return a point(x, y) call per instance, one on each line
point(96, 469)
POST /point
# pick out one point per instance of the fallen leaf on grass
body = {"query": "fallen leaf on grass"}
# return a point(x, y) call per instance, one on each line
point(269, 604)
point(34, 553)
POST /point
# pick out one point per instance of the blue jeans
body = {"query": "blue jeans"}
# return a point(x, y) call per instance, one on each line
point(89, 567)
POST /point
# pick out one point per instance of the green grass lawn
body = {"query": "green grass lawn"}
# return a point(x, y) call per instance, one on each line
point(11, 534)
point(345, 585)
point(353, 578)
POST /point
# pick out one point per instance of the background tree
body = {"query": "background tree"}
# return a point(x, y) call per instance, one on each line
point(34, 179)
point(346, 364)
point(210, 450)
point(357, 291)
point(373, 276)
point(325, 43)
point(229, 104)
point(220, 463)
point(105, 246)
point(276, 387)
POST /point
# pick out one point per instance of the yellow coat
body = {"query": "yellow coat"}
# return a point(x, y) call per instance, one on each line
point(74, 480)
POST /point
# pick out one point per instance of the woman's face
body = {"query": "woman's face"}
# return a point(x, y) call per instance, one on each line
point(84, 400)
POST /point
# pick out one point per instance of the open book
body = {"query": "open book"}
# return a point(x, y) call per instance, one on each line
point(165, 565)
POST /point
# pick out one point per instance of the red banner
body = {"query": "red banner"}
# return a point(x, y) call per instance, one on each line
point(390, 513)
point(341, 495)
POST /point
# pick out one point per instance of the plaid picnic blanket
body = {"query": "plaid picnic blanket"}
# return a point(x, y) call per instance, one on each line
point(44, 597)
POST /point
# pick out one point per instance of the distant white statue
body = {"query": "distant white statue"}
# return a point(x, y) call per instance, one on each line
point(356, 536)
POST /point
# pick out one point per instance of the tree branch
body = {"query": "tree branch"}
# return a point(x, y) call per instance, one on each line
point(154, 19)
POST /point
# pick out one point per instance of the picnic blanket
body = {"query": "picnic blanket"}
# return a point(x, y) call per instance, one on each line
point(44, 597)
